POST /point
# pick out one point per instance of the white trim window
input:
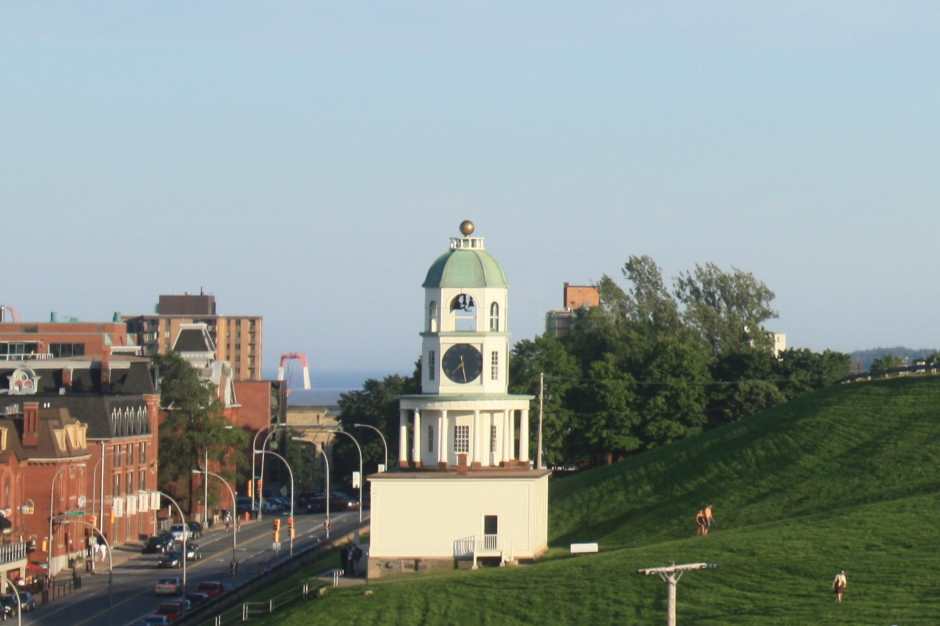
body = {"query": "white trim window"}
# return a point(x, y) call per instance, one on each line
point(430, 438)
point(494, 317)
point(432, 365)
point(461, 439)
point(432, 316)
point(493, 438)
point(494, 365)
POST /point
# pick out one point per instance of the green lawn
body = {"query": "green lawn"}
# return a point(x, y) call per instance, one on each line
point(844, 478)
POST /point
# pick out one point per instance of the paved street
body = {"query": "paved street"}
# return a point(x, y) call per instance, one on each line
point(134, 579)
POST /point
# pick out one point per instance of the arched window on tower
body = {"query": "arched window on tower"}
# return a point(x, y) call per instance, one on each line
point(494, 317)
point(465, 312)
point(432, 316)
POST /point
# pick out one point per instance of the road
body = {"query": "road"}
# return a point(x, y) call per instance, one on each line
point(134, 579)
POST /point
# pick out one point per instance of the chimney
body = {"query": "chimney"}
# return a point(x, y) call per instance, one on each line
point(30, 424)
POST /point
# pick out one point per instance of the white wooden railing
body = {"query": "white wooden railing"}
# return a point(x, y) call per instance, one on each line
point(490, 543)
point(464, 547)
point(11, 552)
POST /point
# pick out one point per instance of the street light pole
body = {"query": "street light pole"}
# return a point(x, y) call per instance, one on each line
point(19, 602)
point(671, 575)
point(234, 518)
point(326, 460)
point(264, 444)
point(51, 515)
point(361, 477)
point(185, 533)
point(384, 443)
point(290, 473)
point(110, 567)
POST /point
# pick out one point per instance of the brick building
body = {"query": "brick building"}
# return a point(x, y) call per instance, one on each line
point(72, 413)
point(237, 338)
point(91, 340)
point(558, 321)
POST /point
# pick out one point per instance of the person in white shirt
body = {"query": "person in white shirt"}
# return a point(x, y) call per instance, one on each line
point(839, 583)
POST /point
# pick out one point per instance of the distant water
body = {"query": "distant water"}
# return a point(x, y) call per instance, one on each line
point(326, 396)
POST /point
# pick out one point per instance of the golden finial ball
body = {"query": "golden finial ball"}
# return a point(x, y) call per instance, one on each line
point(467, 228)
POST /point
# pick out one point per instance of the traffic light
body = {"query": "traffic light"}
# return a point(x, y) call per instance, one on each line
point(290, 526)
point(277, 531)
point(251, 489)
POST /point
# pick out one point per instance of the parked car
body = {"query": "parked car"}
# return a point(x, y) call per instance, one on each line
point(197, 598)
point(28, 600)
point(159, 544)
point(168, 586)
point(153, 619)
point(178, 532)
point(211, 588)
point(196, 529)
point(171, 610)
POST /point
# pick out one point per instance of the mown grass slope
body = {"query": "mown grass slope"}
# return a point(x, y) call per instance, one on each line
point(844, 478)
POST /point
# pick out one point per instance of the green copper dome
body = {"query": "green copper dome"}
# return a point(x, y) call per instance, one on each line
point(465, 268)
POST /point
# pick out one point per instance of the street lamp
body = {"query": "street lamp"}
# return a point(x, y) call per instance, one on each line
point(51, 509)
point(384, 443)
point(110, 566)
point(326, 460)
point(185, 532)
point(290, 472)
point(19, 602)
point(205, 485)
point(264, 445)
point(361, 477)
point(234, 517)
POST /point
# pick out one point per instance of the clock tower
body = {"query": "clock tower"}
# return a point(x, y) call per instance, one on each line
point(465, 489)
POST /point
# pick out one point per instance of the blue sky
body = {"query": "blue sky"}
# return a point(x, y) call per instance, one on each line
point(307, 161)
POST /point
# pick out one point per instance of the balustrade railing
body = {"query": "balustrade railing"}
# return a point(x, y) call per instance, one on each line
point(12, 552)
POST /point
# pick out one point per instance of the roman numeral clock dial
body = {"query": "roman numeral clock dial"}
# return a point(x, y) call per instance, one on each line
point(462, 363)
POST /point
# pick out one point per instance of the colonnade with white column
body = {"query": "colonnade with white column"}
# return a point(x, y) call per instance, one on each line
point(490, 442)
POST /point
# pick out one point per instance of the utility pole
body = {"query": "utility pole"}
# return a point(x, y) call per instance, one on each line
point(671, 575)
point(538, 451)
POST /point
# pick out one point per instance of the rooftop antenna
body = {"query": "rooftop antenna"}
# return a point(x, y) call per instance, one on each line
point(671, 575)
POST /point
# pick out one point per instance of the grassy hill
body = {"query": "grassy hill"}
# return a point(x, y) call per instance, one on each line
point(843, 478)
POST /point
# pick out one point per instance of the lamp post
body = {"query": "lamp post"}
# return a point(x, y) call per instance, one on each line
point(361, 477)
point(384, 443)
point(290, 473)
point(51, 516)
point(234, 517)
point(264, 444)
point(205, 485)
point(326, 460)
point(19, 602)
point(185, 532)
point(110, 566)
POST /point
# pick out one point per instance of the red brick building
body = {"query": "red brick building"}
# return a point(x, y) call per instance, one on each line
point(558, 322)
point(86, 410)
point(89, 340)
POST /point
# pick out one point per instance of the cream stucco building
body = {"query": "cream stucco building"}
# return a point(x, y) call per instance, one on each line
point(465, 489)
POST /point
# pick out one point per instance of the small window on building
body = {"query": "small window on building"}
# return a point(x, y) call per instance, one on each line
point(461, 439)
point(494, 317)
point(432, 365)
point(494, 365)
point(493, 438)
point(116, 485)
point(430, 438)
point(130, 482)
point(142, 485)
point(432, 316)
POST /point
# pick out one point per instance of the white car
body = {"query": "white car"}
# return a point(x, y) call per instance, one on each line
point(168, 586)
point(179, 531)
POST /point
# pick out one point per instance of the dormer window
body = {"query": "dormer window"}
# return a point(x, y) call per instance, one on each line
point(494, 317)
point(465, 312)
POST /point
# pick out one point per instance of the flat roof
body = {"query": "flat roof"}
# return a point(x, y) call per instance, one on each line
point(495, 473)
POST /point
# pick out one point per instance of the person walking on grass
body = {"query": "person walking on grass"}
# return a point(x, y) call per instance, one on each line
point(709, 518)
point(839, 584)
point(701, 525)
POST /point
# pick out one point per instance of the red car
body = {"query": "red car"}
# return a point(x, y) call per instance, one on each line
point(171, 610)
point(211, 588)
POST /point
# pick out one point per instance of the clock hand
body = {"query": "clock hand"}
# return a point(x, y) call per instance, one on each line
point(463, 369)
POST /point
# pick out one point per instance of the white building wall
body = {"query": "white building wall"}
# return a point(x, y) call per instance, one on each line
point(422, 517)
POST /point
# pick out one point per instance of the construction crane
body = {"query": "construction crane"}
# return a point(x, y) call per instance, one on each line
point(282, 369)
point(8, 313)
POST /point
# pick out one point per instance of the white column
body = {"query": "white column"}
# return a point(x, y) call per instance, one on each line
point(416, 461)
point(505, 437)
point(442, 438)
point(403, 438)
point(477, 438)
point(524, 437)
point(511, 427)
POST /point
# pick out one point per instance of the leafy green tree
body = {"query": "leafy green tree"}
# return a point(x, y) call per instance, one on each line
point(375, 404)
point(883, 364)
point(607, 420)
point(194, 423)
point(530, 358)
point(801, 370)
point(726, 309)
